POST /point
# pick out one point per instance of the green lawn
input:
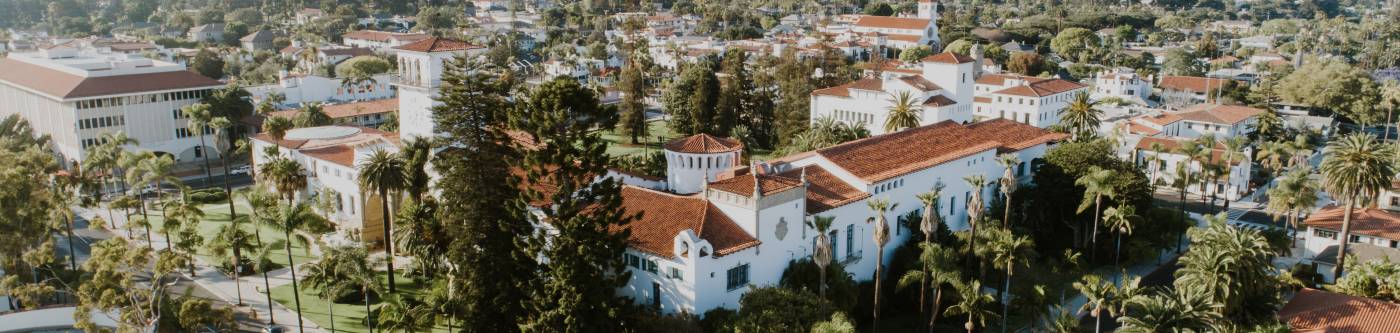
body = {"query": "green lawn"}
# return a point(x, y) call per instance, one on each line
point(216, 216)
point(619, 145)
point(348, 317)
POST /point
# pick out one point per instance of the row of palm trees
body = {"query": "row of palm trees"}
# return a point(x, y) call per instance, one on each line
point(938, 263)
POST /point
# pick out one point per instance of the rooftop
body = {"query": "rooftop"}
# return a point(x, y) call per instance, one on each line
point(1369, 221)
point(892, 22)
point(437, 44)
point(882, 157)
point(1219, 114)
point(703, 144)
point(1313, 310)
point(1190, 83)
point(661, 216)
point(71, 78)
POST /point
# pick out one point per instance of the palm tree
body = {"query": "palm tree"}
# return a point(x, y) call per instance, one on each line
point(1183, 180)
point(1154, 162)
point(1061, 321)
point(1096, 183)
point(260, 200)
point(1008, 183)
point(262, 262)
point(1197, 152)
point(1390, 100)
point(386, 173)
point(312, 115)
point(1119, 219)
point(1300, 150)
point(231, 239)
point(285, 175)
point(1097, 294)
point(338, 265)
point(973, 304)
point(417, 152)
point(199, 117)
point(882, 236)
point(277, 127)
point(1294, 193)
point(1080, 117)
point(939, 267)
point(1009, 251)
point(154, 170)
point(222, 143)
point(1272, 154)
point(290, 219)
point(931, 221)
point(398, 314)
point(63, 197)
point(974, 211)
point(904, 112)
point(821, 255)
point(1234, 151)
point(1355, 165)
point(1185, 310)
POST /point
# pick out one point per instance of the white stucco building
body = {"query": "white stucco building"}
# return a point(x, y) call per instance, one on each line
point(693, 253)
point(1375, 235)
point(330, 155)
point(1168, 159)
point(420, 67)
point(941, 85)
point(1026, 99)
point(1122, 83)
point(896, 32)
point(76, 95)
point(299, 88)
point(380, 41)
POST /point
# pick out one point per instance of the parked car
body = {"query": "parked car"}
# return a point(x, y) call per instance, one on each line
point(242, 170)
point(273, 329)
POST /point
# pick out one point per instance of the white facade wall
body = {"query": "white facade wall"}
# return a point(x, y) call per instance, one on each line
point(688, 173)
point(313, 88)
point(1035, 111)
point(1236, 188)
point(1196, 129)
point(153, 124)
point(1130, 88)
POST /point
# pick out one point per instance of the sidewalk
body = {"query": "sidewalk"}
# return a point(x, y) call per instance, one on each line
point(224, 286)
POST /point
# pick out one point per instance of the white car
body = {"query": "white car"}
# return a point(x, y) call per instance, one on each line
point(246, 169)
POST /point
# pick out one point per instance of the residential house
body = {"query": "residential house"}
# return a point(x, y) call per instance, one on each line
point(330, 155)
point(1318, 311)
point(1232, 184)
point(260, 40)
point(1029, 100)
point(1178, 91)
point(941, 87)
point(1375, 234)
point(1123, 84)
point(1222, 121)
point(209, 33)
point(297, 88)
point(380, 40)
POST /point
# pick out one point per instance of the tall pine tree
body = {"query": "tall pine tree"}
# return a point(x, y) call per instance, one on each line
point(794, 95)
point(483, 208)
point(693, 101)
point(576, 289)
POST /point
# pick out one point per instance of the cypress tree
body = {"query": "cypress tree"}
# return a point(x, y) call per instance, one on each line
point(576, 291)
point(482, 212)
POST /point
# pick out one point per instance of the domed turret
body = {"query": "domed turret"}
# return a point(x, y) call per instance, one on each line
point(693, 161)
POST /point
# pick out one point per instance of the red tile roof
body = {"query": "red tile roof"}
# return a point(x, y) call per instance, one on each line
point(890, 155)
point(1317, 311)
point(1190, 83)
point(1042, 88)
point(347, 51)
point(919, 82)
point(1161, 119)
point(336, 111)
point(939, 100)
point(1219, 114)
point(825, 191)
point(1367, 221)
point(64, 85)
point(342, 155)
point(867, 83)
point(904, 38)
point(743, 184)
point(1000, 79)
point(948, 58)
point(1169, 146)
point(703, 144)
point(437, 44)
point(662, 216)
point(893, 22)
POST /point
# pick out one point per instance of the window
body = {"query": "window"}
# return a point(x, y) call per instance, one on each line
point(1325, 233)
point(675, 274)
point(650, 265)
point(737, 277)
point(850, 240)
point(632, 260)
point(1355, 239)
